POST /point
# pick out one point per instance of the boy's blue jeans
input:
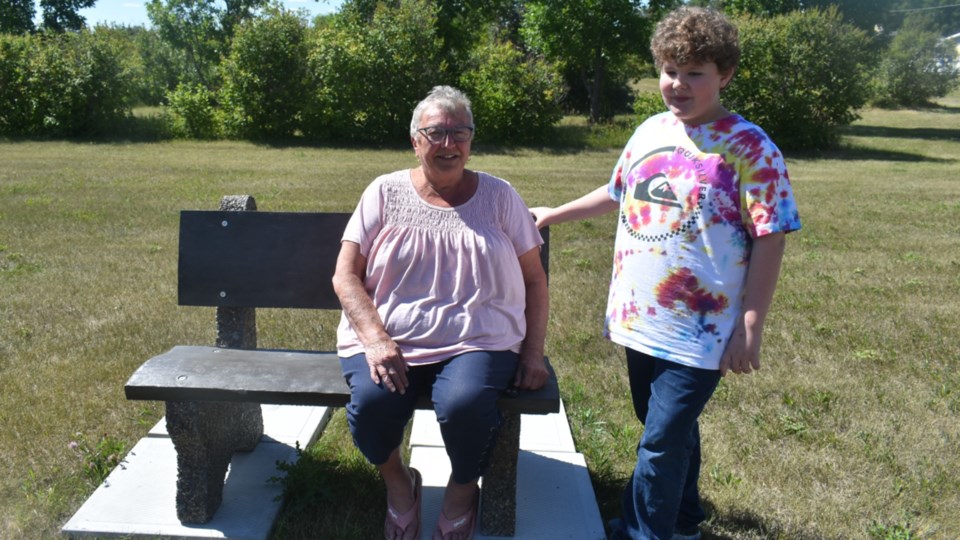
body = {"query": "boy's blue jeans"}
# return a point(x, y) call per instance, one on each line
point(662, 496)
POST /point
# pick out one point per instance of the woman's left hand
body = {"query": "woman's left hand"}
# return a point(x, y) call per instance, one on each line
point(531, 373)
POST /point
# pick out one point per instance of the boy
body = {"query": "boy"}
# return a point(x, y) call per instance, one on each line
point(704, 202)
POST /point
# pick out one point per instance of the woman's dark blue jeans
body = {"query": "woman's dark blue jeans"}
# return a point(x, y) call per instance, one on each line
point(465, 391)
point(662, 496)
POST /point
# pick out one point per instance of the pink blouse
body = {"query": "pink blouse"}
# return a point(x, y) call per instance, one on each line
point(445, 280)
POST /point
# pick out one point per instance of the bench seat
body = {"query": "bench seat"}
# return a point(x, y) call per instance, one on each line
point(279, 377)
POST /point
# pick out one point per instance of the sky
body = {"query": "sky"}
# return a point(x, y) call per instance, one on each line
point(134, 12)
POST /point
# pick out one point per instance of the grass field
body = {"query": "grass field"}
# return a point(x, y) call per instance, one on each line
point(851, 429)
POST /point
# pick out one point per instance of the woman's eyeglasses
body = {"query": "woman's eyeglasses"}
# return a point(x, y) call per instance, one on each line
point(436, 134)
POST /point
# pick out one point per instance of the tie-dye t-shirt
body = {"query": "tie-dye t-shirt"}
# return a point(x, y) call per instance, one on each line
point(691, 198)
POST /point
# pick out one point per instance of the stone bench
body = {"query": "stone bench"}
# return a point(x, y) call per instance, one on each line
point(237, 260)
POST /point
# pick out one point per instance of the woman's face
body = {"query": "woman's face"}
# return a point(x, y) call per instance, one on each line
point(445, 158)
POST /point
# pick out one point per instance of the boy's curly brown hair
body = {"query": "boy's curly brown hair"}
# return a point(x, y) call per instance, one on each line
point(696, 35)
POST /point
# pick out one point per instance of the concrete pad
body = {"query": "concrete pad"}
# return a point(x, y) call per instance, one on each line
point(547, 432)
point(285, 424)
point(425, 430)
point(138, 497)
point(555, 499)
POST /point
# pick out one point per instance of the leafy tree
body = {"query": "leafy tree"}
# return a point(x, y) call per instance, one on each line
point(657, 9)
point(236, 12)
point(943, 15)
point(191, 26)
point(762, 8)
point(586, 37)
point(866, 15)
point(463, 24)
point(802, 76)
point(155, 65)
point(368, 75)
point(264, 78)
point(459, 24)
point(162, 66)
point(917, 66)
point(202, 29)
point(516, 98)
point(63, 15)
point(16, 16)
point(364, 9)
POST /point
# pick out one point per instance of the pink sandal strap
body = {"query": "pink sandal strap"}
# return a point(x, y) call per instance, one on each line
point(465, 523)
point(397, 521)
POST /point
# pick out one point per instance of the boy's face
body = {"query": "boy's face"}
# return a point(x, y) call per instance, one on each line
point(692, 91)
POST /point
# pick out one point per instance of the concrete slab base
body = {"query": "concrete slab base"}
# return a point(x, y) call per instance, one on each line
point(549, 432)
point(138, 497)
point(555, 498)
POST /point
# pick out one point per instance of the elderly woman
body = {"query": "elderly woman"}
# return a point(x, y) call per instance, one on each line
point(442, 290)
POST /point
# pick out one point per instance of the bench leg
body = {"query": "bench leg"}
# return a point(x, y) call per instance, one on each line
point(205, 436)
point(498, 498)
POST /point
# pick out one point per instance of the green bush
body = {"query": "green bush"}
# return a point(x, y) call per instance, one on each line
point(367, 76)
point(802, 76)
point(647, 104)
point(162, 66)
point(16, 113)
point(264, 78)
point(515, 99)
point(191, 112)
point(87, 86)
point(70, 84)
point(916, 67)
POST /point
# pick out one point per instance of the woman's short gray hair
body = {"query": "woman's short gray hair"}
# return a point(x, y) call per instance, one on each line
point(446, 98)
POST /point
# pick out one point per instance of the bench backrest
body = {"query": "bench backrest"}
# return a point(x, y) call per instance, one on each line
point(264, 259)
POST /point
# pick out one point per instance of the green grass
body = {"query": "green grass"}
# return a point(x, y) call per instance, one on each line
point(850, 430)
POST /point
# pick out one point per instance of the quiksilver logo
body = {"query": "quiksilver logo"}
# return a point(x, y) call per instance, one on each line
point(663, 197)
point(656, 189)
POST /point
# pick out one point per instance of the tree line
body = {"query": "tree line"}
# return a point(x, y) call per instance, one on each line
point(251, 69)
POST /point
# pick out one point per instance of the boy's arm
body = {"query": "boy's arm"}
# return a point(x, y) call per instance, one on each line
point(742, 354)
point(595, 203)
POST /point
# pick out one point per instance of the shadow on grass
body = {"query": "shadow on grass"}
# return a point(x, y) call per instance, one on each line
point(608, 489)
point(742, 523)
point(927, 134)
point(848, 152)
point(342, 498)
point(731, 526)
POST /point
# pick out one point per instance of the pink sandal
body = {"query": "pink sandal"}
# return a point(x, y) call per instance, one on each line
point(466, 523)
point(397, 522)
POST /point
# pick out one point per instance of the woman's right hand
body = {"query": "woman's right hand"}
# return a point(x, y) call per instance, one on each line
point(384, 358)
point(387, 365)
